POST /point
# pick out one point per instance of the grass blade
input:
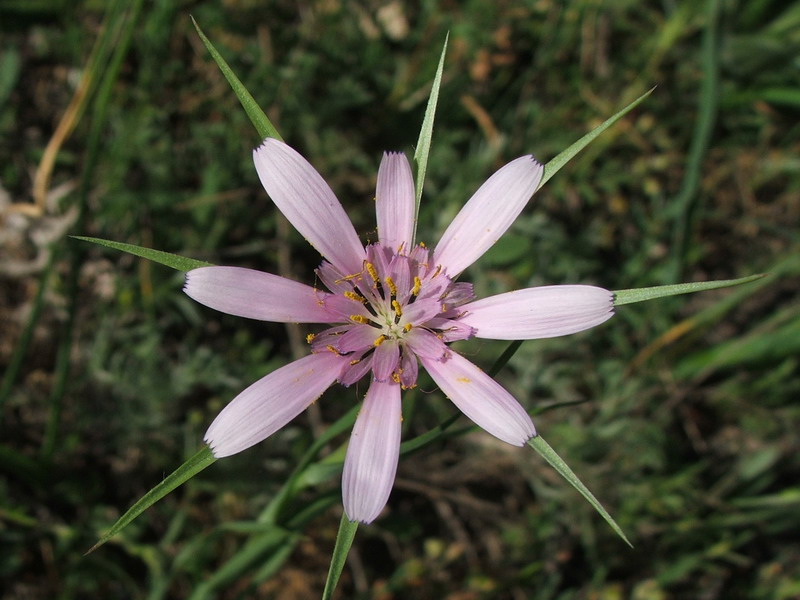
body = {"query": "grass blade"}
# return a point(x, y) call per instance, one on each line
point(262, 124)
point(186, 471)
point(552, 167)
point(685, 203)
point(344, 539)
point(563, 469)
point(181, 263)
point(426, 133)
point(661, 291)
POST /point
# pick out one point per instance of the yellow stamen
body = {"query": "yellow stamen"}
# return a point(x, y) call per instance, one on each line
point(358, 319)
point(407, 327)
point(354, 362)
point(396, 306)
point(372, 272)
point(310, 337)
point(379, 340)
point(356, 297)
point(422, 245)
point(417, 286)
point(438, 270)
point(396, 377)
point(332, 349)
point(392, 286)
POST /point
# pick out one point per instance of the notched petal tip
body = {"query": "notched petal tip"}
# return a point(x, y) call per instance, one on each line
point(212, 447)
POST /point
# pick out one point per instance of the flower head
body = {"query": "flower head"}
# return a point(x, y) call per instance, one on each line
point(390, 307)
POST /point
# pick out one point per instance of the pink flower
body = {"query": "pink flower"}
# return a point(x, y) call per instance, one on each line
point(390, 307)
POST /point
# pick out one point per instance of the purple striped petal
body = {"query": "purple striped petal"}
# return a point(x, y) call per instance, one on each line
point(394, 202)
point(539, 312)
point(271, 402)
point(371, 461)
point(305, 199)
point(424, 343)
point(422, 310)
point(409, 369)
point(257, 295)
point(488, 214)
point(358, 337)
point(481, 398)
point(355, 370)
point(386, 360)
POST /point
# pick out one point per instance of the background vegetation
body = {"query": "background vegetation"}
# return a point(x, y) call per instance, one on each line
point(680, 414)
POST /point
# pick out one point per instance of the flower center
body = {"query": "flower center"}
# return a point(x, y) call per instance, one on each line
point(397, 307)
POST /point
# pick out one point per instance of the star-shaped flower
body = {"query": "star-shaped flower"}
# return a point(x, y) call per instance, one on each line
point(390, 307)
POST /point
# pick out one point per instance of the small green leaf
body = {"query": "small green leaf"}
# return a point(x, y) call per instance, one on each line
point(344, 539)
point(181, 263)
point(262, 124)
point(186, 471)
point(425, 135)
point(563, 469)
point(564, 157)
point(649, 293)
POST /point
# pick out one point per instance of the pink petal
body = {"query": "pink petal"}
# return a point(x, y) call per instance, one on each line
point(409, 369)
point(271, 402)
point(450, 330)
point(395, 201)
point(341, 308)
point(488, 214)
point(422, 310)
point(424, 343)
point(386, 360)
point(305, 199)
point(355, 369)
point(359, 337)
point(371, 461)
point(257, 295)
point(539, 312)
point(481, 398)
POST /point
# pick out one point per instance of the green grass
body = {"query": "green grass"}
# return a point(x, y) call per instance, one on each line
point(680, 414)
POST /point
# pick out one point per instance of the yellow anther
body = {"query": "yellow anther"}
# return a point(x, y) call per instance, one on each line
point(354, 362)
point(438, 270)
point(417, 286)
point(392, 286)
point(358, 319)
point(379, 340)
point(354, 296)
point(422, 245)
point(372, 272)
point(310, 337)
point(396, 377)
point(332, 349)
point(407, 327)
point(396, 306)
